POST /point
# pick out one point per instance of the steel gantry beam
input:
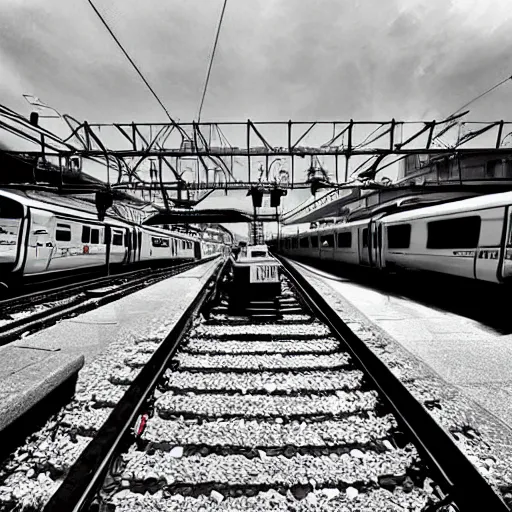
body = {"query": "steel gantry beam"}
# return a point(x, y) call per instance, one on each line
point(194, 158)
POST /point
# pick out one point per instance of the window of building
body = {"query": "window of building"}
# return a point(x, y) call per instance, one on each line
point(117, 238)
point(365, 237)
point(314, 241)
point(461, 233)
point(95, 236)
point(345, 239)
point(327, 241)
point(86, 234)
point(63, 233)
point(399, 237)
point(304, 242)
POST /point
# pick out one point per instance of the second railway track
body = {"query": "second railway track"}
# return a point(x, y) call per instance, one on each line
point(283, 414)
point(26, 314)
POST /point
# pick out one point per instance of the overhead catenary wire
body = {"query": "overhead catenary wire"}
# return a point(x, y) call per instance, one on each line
point(480, 96)
point(211, 61)
point(139, 72)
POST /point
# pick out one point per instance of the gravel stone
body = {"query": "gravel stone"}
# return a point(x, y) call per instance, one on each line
point(261, 362)
point(272, 471)
point(262, 347)
point(284, 381)
point(264, 406)
point(213, 331)
point(373, 501)
point(269, 434)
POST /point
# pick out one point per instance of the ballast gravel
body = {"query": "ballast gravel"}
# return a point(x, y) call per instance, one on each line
point(325, 500)
point(261, 362)
point(324, 380)
point(262, 406)
point(262, 347)
point(242, 433)
point(316, 329)
point(329, 470)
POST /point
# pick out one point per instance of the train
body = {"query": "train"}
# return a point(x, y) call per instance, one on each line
point(47, 236)
point(470, 238)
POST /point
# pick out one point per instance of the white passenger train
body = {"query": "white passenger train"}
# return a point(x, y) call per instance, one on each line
point(39, 238)
point(471, 238)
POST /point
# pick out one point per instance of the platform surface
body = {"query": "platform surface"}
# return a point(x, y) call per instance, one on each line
point(28, 375)
point(463, 352)
point(134, 316)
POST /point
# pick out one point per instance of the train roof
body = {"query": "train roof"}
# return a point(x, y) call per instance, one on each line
point(463, 205)
point(82, 209)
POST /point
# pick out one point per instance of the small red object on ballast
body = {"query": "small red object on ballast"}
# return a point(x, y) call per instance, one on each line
point(140, 425)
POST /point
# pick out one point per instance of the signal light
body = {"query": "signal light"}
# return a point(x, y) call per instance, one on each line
point(104, 200)
point(257, 196)
point(275, 197)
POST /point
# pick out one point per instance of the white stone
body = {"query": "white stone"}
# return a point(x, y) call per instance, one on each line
point(330, 494)
point(388, 444)
point(311, 499)
point(270, 387)
point(216, 496)
point(279, 420)
point(31, 473)
point(263, 455)
point(358, 454)
point(176, 452)
point(351, 492)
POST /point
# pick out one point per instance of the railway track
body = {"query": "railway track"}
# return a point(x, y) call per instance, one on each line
point(276, 409)
point(25, 314)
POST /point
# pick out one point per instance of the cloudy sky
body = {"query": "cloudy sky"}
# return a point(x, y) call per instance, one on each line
point(276, 59)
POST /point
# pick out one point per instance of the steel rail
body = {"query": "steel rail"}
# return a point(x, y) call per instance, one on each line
point(79, 285)
point(458, 478)
point(85, 476)
point(40, 320)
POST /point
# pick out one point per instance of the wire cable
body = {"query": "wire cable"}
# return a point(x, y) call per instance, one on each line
point(132, 63)
point(211, 60)
point(480, 96)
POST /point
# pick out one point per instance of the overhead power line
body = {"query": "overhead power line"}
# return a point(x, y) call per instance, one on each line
point(480, 96)
point(211, 60)
point(132, 63)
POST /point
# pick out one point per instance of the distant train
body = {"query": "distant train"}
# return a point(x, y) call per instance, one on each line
point(61, 236)
point(471, 238)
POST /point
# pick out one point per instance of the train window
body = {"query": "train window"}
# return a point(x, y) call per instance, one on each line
point(304, 242)
point(63, 233)
point(295, 243)
point(159, 242)
point(345, 239)
point(95, 236)
point(86, 234)
point(314, 241)
point(117, 238)
point(327, 241)
point(10, 209)
point(365, 237)
point(399, 237)
point(461, 233)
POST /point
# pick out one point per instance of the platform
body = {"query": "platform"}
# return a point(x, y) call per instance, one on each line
point(37, 368)
point(134, 316)
point(463, 352)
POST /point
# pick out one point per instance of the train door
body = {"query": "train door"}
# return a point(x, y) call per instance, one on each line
point(364, 250)
point(197, 250)
point(41, 244)
point(375, 244)
point(128, 245)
